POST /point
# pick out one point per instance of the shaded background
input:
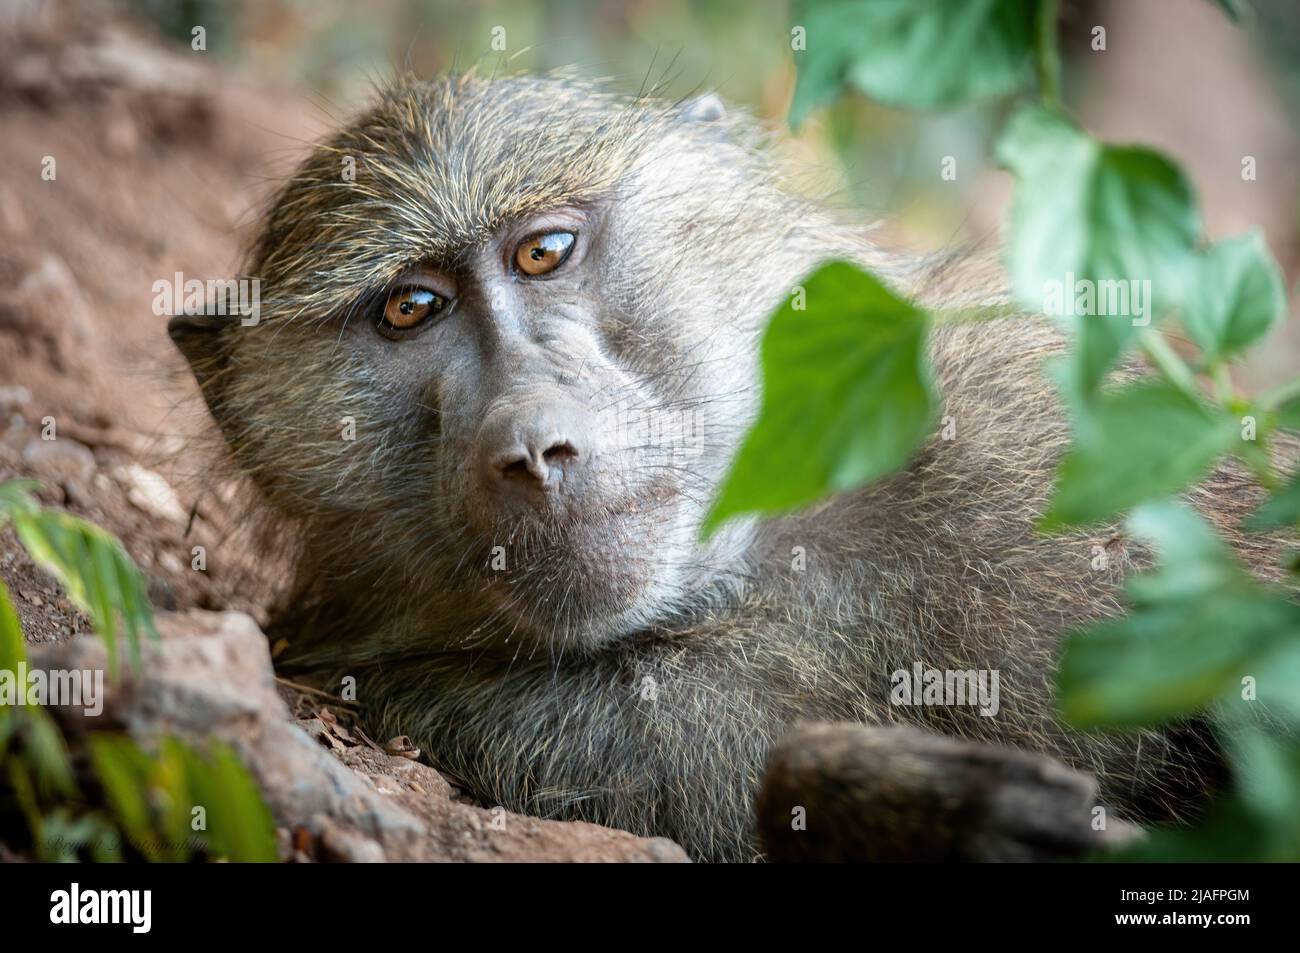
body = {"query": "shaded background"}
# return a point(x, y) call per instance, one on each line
point(1175, 74)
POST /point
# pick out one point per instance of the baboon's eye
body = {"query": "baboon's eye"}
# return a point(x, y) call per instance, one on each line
point(412, 305)
point(543, 253)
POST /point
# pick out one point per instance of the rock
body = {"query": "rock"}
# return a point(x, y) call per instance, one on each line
point(462, 832)
point(60, 459)
point(150, 493)
point(402, 747)
point(210, 676)
point(14, 397)
point(121, 135)
point(14, 220)
point(341, 845)
point(49, 302)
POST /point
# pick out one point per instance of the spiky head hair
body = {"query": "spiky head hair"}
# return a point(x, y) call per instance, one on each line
point(440, 164)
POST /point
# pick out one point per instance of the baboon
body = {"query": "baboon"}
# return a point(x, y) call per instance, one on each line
point(498, 375)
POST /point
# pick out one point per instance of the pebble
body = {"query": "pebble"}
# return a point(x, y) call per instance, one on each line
point(151, 493)
point(15, 397)
point(63, 457)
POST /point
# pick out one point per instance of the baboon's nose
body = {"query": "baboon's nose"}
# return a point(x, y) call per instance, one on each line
point(539, 448)
point(532, 463)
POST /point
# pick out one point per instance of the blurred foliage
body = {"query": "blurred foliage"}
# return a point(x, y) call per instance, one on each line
point(1196, 624)
point(919, 51)
point(1201, 636)
point(122, 802)
point(858, 153)
point(869, 155)
point(91, 566)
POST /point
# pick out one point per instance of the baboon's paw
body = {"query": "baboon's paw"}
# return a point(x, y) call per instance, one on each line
point(847, 792)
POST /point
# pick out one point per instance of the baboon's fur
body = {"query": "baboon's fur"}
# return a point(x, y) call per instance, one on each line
point(662, 726)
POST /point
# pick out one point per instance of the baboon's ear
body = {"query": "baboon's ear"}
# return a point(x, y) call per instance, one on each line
point(199, 337)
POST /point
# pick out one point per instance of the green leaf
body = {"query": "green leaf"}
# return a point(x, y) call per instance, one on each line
point(47, 753)
point(1230, 831)
point(1168, 661)
point(1198, 625)
point(847, 396)
point(154, 796)
point(124, 772)
point(1236, 297)
point(1145, 441)
point(1277, 683)
point(16, 497)
point(65, 835)
point(13, 649)
point(1280, 509)
point(1193, 558)
point(1114, 223)
point(23, 793)
point(240, 826)
point(1267, 770)
point(924, 54)
point(1288, 415)
point(94, 570)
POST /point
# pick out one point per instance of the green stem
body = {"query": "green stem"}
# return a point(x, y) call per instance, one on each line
point(1174, 369)
point(970, 314)
point(1223, 388)
point(1047, 55)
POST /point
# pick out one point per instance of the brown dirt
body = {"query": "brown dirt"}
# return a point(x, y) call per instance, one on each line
point(44, 611)
point(159, 168)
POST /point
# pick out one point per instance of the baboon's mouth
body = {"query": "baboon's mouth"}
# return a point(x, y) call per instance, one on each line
point(587, 555)
point(624, 524)
point(568, 582)
point(567, 607)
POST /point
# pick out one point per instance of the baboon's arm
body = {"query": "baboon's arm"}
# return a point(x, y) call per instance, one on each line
point(903, 794)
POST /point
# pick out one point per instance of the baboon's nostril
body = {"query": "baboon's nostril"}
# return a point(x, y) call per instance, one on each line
point(538, 447)
point(559, 453)
point(516, 469)
point(532, 465)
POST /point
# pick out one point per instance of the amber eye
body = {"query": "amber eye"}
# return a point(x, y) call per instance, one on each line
point(410, 306)
point(543, 253)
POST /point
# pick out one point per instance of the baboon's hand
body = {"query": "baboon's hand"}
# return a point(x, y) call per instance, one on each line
point(902, 794)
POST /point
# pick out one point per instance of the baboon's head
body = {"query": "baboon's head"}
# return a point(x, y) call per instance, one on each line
point(506, 349)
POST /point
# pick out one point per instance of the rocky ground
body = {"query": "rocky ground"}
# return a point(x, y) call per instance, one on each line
point(159, 166)
point(336, 795)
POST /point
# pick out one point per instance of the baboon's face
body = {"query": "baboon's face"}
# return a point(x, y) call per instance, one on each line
point(561, 431)
point(514, 428)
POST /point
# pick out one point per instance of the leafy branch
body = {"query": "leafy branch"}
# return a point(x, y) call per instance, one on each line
point(88, 563)
point(847, 394)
